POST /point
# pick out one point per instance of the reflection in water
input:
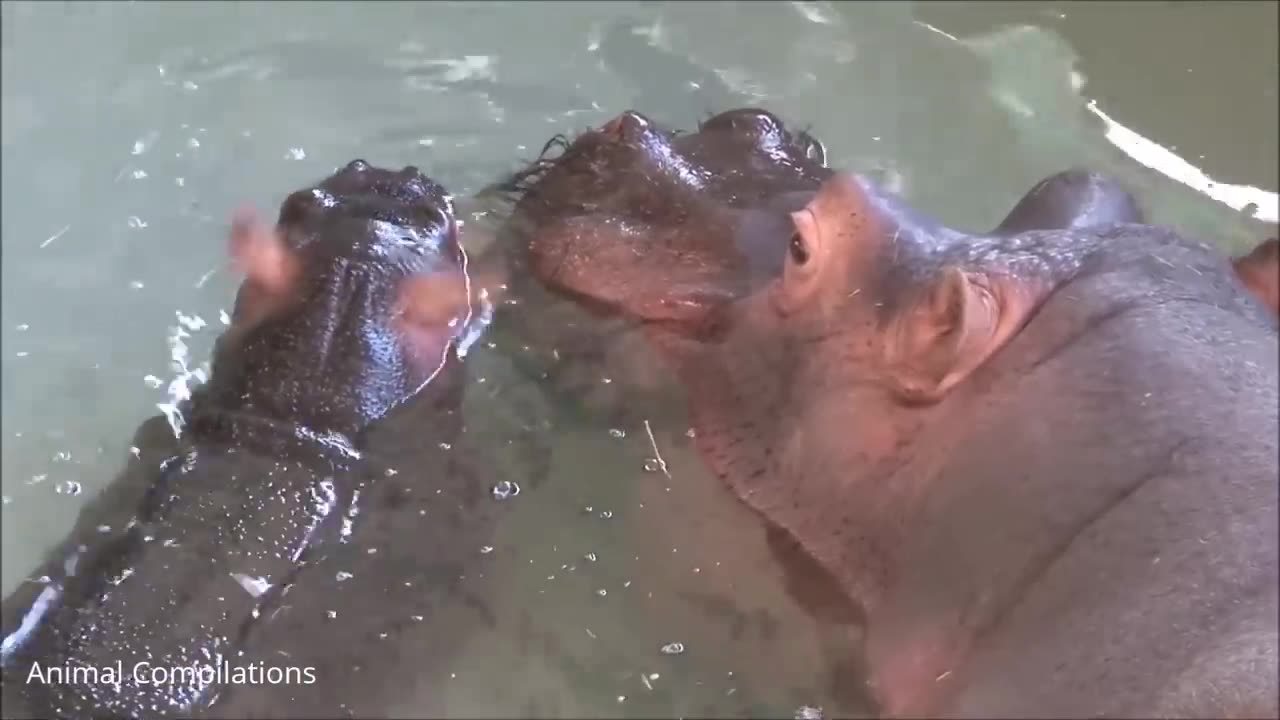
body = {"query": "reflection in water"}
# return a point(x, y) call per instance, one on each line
point(124, 157)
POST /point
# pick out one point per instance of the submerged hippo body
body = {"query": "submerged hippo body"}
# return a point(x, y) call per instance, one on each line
point(1044, 465)
point(305, 460)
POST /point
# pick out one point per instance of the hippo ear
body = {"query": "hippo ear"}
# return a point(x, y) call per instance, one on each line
point(963, 318)
point(259, 252)
point(1260, 273)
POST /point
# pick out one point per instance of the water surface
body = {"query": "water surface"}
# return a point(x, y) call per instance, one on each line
point(130, 131)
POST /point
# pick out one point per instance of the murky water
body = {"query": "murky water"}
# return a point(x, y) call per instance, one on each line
point(130, 131)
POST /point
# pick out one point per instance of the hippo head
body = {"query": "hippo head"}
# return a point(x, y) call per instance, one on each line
point(332, 327)
point(658, 225)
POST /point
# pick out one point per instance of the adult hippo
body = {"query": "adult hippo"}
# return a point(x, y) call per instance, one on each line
point(1043, 577)
point(1043, 464)
point(211, 578)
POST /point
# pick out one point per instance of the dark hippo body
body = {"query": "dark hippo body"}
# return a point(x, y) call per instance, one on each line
point(311, 518)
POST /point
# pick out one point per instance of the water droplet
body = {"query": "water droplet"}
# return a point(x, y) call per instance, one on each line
point(180, 182)
point(37, 478)
point(674, 648)
point(690, 433)
point(136, 222)
point(602, 592)
point(343, 576)
point(606, 514)
point(590, 556)
point(390, 472)
point(615, 432)
point(622, 699)
point(136, 285)
point(486, 549)
point(808, 712)
point(152, 381)
point(104, 528)
point(445, 446)
point(296, 154)
point(333, 614)
point(505, 489)
point(652, 465)
point(6, 500)
point(193, 143)
point(139, 174)
point(23, 327)
point(188, 85)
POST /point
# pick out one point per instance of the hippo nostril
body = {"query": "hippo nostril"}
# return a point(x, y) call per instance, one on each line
point(813, 148)
point(760, 125)
point(626, 126)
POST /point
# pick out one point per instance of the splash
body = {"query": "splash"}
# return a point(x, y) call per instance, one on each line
point(179, 389)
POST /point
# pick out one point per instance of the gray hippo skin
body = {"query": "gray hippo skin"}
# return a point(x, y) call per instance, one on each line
point(1044, 465)
point(311, 451)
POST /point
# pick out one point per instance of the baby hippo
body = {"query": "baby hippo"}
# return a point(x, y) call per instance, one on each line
point(337, 362)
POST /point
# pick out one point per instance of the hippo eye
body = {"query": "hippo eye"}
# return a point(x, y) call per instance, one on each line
point(799, 253)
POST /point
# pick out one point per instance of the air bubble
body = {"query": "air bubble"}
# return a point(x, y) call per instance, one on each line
point(505, 489)
point(674, 648)
point(615, 432)
point(70, 487)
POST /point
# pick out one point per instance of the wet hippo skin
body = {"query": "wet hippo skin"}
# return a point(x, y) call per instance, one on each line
point(309, 454)
point(1044, 464)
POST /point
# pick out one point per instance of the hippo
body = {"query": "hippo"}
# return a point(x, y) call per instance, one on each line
point(210, 580)
point(1041, 577)
point(1044, 465)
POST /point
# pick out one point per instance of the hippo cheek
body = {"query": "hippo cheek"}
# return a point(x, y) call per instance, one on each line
point(431, 312)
